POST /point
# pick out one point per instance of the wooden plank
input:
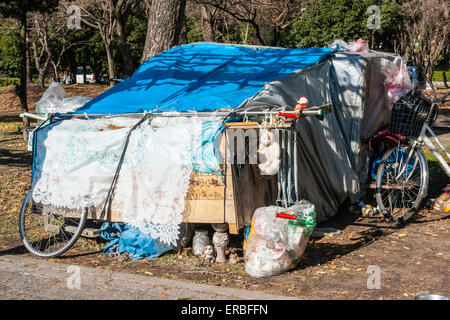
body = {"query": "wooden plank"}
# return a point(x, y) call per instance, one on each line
point(209, 211)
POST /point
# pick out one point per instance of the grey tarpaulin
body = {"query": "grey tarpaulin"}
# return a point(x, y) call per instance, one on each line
point(331, 168)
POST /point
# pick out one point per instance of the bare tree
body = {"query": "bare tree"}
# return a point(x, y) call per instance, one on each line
point(165, 25)
point(41, 33)
point(426, 34)
point(265, 16)
point(100, 15)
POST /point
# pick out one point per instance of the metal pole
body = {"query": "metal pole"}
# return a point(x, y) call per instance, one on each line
point(297, 197)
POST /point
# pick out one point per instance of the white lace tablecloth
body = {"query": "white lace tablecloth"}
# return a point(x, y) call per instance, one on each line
point(76, 159)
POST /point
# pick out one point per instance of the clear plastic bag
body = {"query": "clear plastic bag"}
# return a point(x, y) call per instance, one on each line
point(52, 99)
point(359, 45)
point(398, 82)
point(274, 245)
point(73, 103)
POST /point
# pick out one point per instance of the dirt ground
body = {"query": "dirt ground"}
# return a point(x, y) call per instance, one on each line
point(10, 104)
point(413, 259)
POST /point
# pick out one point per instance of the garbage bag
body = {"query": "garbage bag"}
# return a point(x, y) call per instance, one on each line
point(397, 83)
point(275, 244)
point(72, 104)
point(123, 238)
point(356, 46)
point(52, 99)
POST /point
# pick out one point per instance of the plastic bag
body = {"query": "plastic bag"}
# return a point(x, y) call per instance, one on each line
point(398, 82)
point(274, 244)
point(72, 104)
point(52, 99)
point(123, 238)
point(359, 45)
point(338, 44)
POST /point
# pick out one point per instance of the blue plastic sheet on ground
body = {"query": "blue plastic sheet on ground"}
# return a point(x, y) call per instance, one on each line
point(202, 77)
point(123, 238)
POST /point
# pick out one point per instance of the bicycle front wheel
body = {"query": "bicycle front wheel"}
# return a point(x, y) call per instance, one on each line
point(49, 232)
point(401, 183)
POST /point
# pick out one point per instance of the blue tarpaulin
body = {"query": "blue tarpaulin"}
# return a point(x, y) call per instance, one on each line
point(202, 77)
point(123, 238)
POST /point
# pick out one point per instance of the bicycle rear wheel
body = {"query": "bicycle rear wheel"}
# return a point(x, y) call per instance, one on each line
point(401, 183)
point(49, 232)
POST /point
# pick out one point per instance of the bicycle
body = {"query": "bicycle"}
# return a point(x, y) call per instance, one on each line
point(402, 175)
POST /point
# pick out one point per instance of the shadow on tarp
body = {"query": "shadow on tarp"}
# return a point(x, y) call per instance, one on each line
point(202, 77)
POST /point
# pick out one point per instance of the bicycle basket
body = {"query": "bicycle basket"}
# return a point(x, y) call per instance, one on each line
point(410, 113)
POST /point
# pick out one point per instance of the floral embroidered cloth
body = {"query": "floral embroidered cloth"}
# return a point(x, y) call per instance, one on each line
point(75, 162)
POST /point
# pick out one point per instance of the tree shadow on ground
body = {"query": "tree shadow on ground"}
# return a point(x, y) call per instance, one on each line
point(15, 247)
point(16, 158)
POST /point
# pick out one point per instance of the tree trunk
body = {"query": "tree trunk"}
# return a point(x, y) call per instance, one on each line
point(164, 26)
point(55, 72)
point(41, 80)
point(28, 64)
point(183, 39)
point(111, 64)
point(128, 66)
point(207, 24)
point(21, 88)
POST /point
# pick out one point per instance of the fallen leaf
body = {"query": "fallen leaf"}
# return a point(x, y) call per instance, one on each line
point(164, 296)
point(290, 289)
point(360, 269)
point(402, 235)
point(320, 272)
point(431, 234)
point(149, 273)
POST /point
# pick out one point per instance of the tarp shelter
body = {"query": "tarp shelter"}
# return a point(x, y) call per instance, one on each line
point(208, 77)
point(202, 77)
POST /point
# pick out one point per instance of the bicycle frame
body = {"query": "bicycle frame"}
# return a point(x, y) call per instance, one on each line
point(424, 137)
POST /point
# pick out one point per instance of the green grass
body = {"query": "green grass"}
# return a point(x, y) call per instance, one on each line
point(4, 82)
point(438, 74)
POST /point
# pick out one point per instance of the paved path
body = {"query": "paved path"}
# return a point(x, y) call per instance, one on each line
point(28, 278)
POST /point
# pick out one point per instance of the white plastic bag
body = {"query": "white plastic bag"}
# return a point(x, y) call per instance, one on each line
point(52, 99)
point(398, 82)
point(274, 245)
point(359, 45)
point(73, 103)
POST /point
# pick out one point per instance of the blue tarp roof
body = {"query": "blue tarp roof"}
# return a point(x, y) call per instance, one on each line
point(202, 77)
